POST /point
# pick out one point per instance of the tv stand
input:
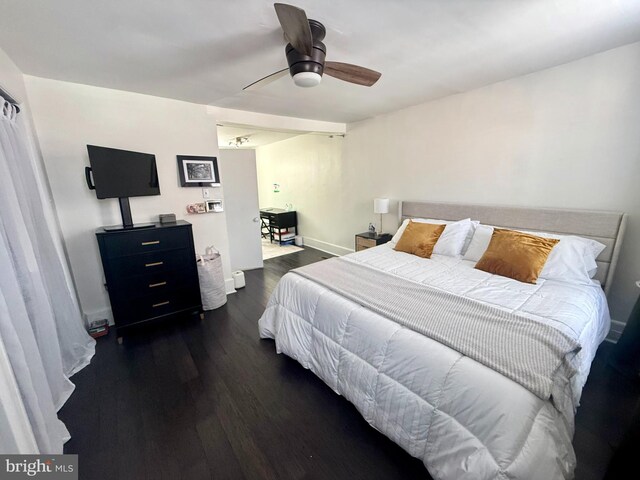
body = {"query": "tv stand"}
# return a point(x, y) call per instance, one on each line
point(125, 211)
point(137, 226)
point(127, 219)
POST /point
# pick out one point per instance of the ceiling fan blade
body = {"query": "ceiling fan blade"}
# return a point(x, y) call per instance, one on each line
point(352, 73)
point(267, 80)
point(295, 25)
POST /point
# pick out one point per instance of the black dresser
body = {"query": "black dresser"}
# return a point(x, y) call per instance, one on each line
point(151, 273)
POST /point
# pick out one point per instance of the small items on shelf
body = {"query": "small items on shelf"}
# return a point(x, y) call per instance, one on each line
point(209, 206)
point(213, 205)
point(283, 235)
point(196, 208)
point(167, 218)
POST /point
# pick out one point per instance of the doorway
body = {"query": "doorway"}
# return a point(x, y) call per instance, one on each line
point(250, 242)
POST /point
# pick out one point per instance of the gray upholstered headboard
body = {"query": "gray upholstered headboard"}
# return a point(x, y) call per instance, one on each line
point(605, 227)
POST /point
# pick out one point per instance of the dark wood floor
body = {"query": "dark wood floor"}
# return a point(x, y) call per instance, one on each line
point(208, 399)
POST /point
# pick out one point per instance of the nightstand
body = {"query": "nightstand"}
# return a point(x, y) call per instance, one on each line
point(367, 240)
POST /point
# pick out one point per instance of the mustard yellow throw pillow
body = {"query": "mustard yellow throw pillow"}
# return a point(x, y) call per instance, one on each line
point(516, 255)
point(419, 238)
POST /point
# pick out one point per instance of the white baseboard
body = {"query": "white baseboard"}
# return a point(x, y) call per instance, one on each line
point(326, 246)
point(229, 286)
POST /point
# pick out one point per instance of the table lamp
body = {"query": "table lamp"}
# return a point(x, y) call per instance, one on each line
point(381, 206)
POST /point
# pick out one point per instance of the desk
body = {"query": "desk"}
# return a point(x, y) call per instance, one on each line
point(274, 220)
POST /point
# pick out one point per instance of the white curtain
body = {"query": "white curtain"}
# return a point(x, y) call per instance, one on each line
point(16, 432)
point(41, 326)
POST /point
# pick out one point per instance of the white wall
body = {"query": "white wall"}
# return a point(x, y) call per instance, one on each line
point(68, 117)
point(11, 79)
point(563, 137)
point(315, 180)
point(238, 174)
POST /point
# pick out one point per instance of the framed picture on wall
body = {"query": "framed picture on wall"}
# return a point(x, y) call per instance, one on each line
point(198, 171)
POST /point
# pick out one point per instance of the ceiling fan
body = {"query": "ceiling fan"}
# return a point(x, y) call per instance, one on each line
point(306, 54)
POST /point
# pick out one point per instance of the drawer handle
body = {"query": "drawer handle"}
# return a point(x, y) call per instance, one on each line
point(151, 285)
point(154, 264)
point(155, 242)
point(160, 304)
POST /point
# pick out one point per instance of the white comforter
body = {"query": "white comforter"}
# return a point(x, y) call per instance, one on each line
point(461, 418)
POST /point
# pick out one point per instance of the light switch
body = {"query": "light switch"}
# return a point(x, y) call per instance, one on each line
point(205, 193)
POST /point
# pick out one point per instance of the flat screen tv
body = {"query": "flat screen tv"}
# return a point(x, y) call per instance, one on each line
point(122, 174)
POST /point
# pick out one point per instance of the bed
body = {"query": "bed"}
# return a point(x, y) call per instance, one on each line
point(462, 418)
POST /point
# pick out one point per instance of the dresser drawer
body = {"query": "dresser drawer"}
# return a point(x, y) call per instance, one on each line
point(146, 241)
point(156, 262)
point(156, 305)
point(150, 273)
point(283, 220)
point(362, 243)
point(155, 282)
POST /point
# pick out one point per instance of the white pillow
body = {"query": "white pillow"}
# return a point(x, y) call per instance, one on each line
point(572, 260)
point(479, 243)
point(596, 249)
point(467, 241)
point(575, 257)
point(453, 239)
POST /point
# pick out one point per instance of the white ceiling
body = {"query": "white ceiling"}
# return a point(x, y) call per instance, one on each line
point(205, 51)
point(257, 137)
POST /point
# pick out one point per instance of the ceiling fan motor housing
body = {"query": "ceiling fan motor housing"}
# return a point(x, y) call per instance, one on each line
point(299, 62)
point(306, 61)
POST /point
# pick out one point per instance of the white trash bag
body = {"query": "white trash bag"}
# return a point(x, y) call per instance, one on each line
point(212, 289)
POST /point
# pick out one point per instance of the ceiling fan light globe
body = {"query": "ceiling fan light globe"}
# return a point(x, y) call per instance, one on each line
point(307, 79)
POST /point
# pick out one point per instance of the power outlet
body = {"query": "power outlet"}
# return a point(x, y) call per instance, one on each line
point(205, 193)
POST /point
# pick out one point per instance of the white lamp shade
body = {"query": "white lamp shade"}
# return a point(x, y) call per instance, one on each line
point(381, 205)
